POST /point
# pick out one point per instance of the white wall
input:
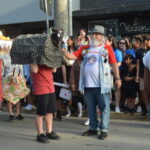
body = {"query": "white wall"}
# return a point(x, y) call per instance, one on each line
point(21, 11)
point(75, 5)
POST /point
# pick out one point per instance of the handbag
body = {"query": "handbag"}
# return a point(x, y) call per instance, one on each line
point(14, 87)
point(65, 94)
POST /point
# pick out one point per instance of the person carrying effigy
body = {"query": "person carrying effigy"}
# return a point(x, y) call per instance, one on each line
point(44, 55)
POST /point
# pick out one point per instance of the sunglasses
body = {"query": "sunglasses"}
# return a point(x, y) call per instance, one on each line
point(95, 33)
point(122, 43)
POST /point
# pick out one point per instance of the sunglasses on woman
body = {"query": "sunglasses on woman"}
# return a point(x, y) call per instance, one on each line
point(122, 43)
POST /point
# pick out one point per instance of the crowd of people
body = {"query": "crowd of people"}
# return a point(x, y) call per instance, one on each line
point(129, 53)
point(101, 71)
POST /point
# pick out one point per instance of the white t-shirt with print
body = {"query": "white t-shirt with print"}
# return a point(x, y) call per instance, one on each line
point(91, 69)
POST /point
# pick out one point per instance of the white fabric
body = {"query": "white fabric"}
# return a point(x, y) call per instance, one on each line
point(80, 109)
point(146, 60)
point(4, 43)
point(91, 70)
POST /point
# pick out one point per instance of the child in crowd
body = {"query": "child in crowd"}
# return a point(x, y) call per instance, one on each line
point(8, 70)
point(129, 84)
point(44, 92)
point(19, 70)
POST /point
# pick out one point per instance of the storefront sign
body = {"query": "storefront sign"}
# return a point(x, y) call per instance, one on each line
point(111, 26)
point(137, 26)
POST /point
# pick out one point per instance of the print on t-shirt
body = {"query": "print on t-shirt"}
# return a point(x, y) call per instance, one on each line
point(91, 60)
point(91, 70)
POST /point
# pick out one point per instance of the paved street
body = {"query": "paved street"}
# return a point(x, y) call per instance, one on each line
point(123, 135)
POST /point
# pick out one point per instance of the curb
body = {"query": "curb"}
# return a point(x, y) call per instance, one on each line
point(113, 115)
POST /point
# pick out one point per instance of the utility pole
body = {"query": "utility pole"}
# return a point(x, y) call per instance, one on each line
point(61, 15)
point(47, 17)
point(46, 6)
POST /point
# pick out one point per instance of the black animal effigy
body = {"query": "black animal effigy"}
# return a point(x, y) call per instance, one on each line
point(39, 49)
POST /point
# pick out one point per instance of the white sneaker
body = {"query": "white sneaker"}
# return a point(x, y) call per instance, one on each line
point(139, 109)
point(33, 107)
point(28, 107)
point(87, 122)
point(117, 109)
point(68, 115)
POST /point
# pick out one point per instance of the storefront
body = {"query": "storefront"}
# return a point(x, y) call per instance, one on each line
point(134, 25)
point(124, 26)
point(118, 17)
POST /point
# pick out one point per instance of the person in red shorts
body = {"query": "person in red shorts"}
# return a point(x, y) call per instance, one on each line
point(44, 91)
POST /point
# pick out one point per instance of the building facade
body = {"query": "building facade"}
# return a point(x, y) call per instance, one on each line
point(25, 16)
point(120, 17)
point(22, 16)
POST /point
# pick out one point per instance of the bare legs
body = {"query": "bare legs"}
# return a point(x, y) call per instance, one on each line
point(39, 123)
point(10, 109)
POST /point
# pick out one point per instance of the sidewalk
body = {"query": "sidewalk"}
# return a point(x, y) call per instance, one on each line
point(114, 115)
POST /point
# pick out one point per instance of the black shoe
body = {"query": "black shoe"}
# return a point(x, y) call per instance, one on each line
point(132, 111)
point(58, 118)
point(89, 133)
point(59, 115)
point(11, 118)
point(42, 138)
point(53, 136)
point(103, 135)
point(127, 110)
point(20, 117)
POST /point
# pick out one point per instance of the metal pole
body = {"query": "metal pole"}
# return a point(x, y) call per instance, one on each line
point(47, 18)
point(70, 17)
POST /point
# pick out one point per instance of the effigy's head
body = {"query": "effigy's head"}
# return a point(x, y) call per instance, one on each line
point(56, 36)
